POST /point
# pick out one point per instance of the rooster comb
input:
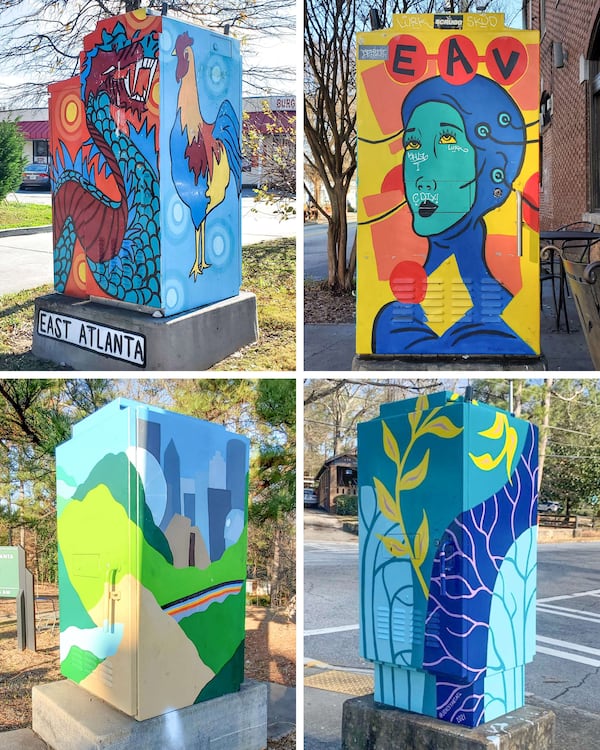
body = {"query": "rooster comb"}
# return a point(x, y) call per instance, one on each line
point(183, 40)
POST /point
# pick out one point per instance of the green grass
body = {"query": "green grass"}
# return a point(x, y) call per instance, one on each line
point(24, 215)
point(269, 271)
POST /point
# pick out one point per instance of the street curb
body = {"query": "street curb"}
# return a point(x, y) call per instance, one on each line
point(17, 231)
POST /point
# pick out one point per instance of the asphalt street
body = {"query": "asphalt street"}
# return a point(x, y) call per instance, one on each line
point(26, 259)
point(315, 249)
point(564, 675)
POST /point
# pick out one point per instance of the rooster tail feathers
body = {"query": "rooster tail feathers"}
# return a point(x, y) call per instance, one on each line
point(226, 129)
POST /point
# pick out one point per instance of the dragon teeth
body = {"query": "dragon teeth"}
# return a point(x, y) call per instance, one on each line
point(136, 72)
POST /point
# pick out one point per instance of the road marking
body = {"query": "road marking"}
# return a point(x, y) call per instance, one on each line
point(593, 592)
point(568, 644)
point(569, 657)
point(340, 547)
point(573, 614)
point(325, 631)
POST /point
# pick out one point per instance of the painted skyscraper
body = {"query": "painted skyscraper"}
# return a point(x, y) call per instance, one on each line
point(152, 564)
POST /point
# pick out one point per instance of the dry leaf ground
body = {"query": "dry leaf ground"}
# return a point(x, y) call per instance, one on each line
point(270, 656)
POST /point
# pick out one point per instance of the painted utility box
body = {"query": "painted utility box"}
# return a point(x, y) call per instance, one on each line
point(447, 527)
point(152, 537)
point(130, 228)
point(447, 243)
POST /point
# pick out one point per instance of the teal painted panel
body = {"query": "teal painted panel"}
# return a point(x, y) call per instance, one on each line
point(447, 546)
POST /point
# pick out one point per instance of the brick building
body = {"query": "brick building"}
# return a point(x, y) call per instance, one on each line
point(569, 108)
point(337, 476)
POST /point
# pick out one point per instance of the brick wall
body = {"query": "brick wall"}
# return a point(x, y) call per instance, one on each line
point(565, 158)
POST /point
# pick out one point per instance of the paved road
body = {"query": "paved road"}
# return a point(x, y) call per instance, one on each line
point(566, 669)
point(315, 249)
point(26, 260)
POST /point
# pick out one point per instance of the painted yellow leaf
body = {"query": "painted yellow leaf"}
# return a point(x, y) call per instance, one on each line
point(390, 446)
point(422, 403)
point(511, 448)
point(414, 477)
point(443, 427)
point(485, 462)
point(385, 501)
point(496, 430)
point(394, 546)
point(413, 419)
point(421, 545)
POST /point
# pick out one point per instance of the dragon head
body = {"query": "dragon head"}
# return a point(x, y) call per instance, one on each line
point(124, 68)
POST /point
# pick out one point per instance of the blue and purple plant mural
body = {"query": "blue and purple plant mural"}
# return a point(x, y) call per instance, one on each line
point(447, 507)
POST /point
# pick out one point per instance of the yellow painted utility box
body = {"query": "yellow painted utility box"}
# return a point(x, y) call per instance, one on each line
point(448, 176)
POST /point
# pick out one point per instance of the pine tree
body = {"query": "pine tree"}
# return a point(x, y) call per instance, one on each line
point(12, 159)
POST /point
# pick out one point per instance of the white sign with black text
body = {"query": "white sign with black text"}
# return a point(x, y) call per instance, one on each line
point(112, 342)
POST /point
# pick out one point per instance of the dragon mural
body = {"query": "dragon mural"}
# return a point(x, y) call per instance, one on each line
point(128, 223)
point(106, 196)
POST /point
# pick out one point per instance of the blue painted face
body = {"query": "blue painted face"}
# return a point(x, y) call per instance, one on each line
point(439, 168)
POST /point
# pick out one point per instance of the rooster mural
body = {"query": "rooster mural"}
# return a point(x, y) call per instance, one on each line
point(210, 151)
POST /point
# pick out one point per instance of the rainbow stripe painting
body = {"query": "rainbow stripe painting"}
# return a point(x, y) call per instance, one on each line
point(188, 605)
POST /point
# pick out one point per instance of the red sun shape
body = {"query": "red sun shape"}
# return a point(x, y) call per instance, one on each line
point(408, 282)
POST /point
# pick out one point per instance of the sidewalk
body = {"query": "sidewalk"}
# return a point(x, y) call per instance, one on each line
point(574, 729)
point(332, 347)
point(26, 258)
point(327, 687)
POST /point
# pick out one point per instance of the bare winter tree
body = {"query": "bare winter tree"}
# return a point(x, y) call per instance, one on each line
point(40, 41)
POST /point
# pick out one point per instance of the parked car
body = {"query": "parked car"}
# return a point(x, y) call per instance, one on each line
point(310, 498)
point(549, 507)
point(36, 175)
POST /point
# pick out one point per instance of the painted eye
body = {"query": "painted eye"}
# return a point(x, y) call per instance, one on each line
point(447, 138)
point(412, 145)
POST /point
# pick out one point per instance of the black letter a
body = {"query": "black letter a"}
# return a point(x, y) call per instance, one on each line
point(454, 55)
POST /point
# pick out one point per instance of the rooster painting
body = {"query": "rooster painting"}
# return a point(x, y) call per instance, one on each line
point(208, 151)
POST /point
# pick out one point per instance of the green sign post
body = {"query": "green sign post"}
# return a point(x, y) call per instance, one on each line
point(16, 582)
point(9, 572)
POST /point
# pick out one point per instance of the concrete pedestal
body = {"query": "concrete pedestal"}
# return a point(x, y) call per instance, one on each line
point(415, 362)
point(366, 726)
point(67, 717)
point(93, 336)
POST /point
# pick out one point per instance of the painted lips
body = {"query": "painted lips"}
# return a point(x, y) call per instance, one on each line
point(427, 208)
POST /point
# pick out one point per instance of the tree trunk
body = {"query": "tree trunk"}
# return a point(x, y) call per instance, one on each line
point(519, 398)
point(337, 240)
point(276, 567)
point(545, 423)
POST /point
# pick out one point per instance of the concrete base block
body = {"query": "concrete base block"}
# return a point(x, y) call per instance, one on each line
point(21, 739)
point(67, 717)
point(415, 362)
point(89, 335)
point(367, 726)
